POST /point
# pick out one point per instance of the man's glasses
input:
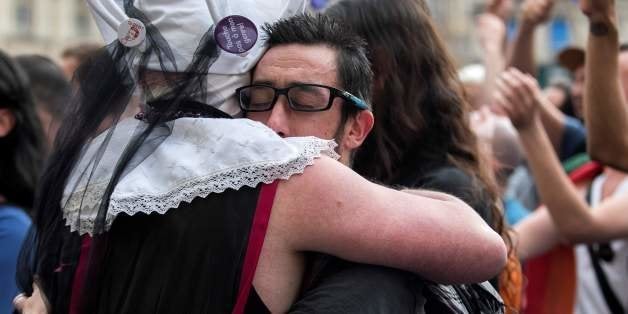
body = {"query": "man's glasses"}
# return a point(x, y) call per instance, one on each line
point(301, 97)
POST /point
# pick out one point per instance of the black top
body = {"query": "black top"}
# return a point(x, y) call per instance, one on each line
point(454, 181)
point(188, 260)
point(336, 286)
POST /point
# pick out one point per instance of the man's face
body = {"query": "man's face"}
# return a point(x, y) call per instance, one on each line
point(287, 65)
point(577, 92)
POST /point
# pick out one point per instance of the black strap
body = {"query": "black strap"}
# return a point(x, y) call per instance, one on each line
point(609, 295)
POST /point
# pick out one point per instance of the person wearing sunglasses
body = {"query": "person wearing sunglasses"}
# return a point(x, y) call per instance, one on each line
point(308, 89)
point(314, 83)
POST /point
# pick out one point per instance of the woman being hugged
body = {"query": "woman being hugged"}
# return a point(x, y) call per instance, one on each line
point(422, 137)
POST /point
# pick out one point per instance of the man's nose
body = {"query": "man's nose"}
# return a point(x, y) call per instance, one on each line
point(279, 118)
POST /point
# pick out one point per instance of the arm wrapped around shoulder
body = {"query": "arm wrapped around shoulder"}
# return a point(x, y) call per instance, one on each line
point(333, 210)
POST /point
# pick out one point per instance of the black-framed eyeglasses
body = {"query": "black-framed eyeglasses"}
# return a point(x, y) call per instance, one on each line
point(301, 97)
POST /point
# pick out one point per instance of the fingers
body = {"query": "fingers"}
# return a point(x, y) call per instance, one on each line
point(501, 106)
point(513, 88)
point(516, 89)
point(598, 7)
point(19, 302)
point(537, 11)
point(35, 304)
point(517, 96)
point(494, 6)
point(523, 86)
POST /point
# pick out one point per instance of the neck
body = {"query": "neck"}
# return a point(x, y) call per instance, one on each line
point(612, 173)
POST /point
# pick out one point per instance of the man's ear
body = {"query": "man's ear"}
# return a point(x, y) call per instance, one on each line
point(7, 122)
point(357, 129)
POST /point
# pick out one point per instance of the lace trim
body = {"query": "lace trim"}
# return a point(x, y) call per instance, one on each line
point(218, 182)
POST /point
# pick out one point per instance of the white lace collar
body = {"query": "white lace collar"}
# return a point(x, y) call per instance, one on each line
point(199, 157)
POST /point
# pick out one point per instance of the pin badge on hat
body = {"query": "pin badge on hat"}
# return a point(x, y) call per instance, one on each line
point(235, 34)
point(131, 32)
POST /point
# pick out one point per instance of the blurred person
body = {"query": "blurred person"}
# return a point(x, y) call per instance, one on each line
point(225, 165)
point(601, 272)
point(495, 132)
point(51, 91)
point(473, 79)
point(606, 69)
point(567, 134)
point(593, 225)
point(21, 158)
point(491, 33)
point(500, 141)
point(73, 56)
point(568, 137)
point(448, 161)
point(573, 59)
point(521, 51)
point(559, 94)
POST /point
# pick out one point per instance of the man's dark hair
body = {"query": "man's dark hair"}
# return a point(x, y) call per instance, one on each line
point(354, 70)
point(49, 86)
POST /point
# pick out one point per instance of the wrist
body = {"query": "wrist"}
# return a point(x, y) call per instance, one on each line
point(531, 129)
point(527, 26)
point(493, 48)
point(603, 24)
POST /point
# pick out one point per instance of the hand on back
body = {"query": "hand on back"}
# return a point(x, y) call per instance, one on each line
point(34, 304)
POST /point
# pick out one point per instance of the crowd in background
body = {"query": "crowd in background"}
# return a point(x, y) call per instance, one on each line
point(544, 166)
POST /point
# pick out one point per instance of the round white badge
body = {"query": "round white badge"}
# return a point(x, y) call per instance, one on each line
point(131, 32)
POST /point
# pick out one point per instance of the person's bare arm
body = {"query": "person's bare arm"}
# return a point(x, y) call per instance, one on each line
point(521, 57)
point(491, 30)
point(535, 235)
point(575, 220)
point(604, 104)
point(333, 210)
point(521, 51)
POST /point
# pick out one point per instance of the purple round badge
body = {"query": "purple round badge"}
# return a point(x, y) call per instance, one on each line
point(235, 34)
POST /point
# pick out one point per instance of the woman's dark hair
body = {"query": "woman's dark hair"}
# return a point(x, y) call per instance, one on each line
point(22, 150)
point(421, 116)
